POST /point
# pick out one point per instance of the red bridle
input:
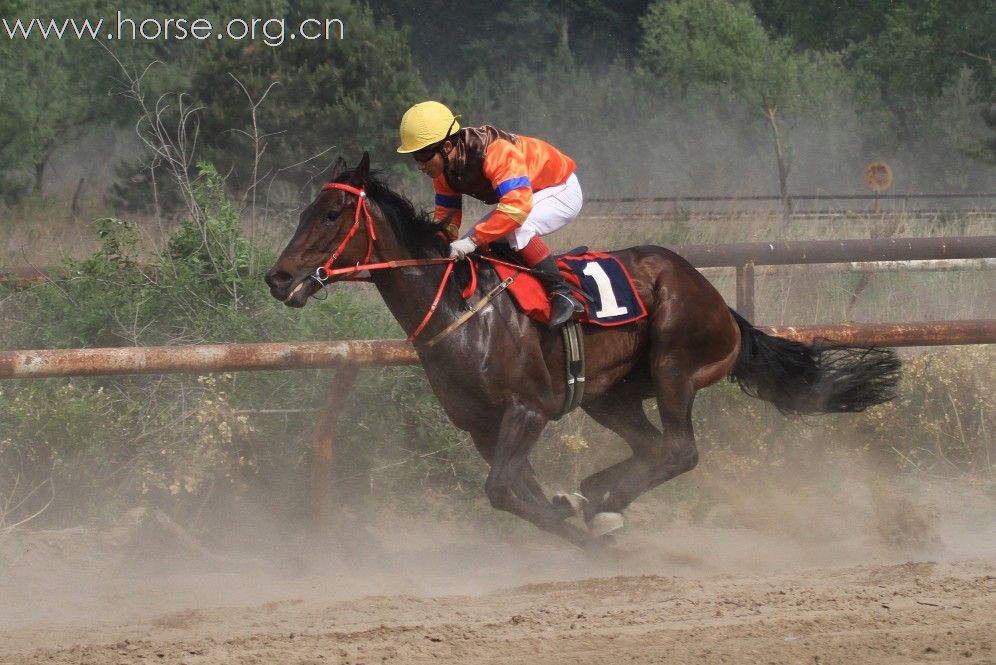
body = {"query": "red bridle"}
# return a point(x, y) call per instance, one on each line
point(325, 272)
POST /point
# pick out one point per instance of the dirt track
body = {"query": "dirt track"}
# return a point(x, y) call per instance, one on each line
point(913, 612)
point(924, 611)
point(776, 571)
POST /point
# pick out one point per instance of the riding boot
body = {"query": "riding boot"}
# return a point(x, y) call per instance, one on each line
point(563, 305)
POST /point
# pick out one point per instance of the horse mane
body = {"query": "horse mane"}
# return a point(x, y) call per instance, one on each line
point(415, 228)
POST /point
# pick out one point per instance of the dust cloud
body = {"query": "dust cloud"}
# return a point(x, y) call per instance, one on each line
point(66, 586)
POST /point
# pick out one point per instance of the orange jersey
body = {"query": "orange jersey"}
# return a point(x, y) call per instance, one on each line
point(497, 167)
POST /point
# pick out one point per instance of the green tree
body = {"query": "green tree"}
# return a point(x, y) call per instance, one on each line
point(695, 44)
point(452, 42)
point(912, 47)
point(923, 49)
point(51, 91)
point(597, 30)
point(285, 104)
point(910, 52)
point(824, 25)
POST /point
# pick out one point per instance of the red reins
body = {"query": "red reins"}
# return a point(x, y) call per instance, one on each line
point(325, 272)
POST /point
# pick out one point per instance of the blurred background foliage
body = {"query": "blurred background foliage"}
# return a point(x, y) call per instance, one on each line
point(625, 86)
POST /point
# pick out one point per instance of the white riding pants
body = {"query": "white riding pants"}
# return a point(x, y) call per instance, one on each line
point(553, 207)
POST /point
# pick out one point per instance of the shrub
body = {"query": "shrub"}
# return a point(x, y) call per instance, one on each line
point(941, 422)
point(107, 444)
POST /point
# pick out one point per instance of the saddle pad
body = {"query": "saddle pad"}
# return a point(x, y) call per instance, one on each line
point(612, 298)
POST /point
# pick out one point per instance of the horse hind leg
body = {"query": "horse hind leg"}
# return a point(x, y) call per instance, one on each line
point(657, 455)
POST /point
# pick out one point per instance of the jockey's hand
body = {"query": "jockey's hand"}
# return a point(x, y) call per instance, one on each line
point(462, 247)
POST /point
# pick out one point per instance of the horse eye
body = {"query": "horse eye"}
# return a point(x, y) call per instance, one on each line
point(333, 214)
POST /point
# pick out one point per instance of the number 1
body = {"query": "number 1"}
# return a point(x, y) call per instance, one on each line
point(607, 297)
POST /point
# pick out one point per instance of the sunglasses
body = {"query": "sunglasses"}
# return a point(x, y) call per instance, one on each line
point(425, 154)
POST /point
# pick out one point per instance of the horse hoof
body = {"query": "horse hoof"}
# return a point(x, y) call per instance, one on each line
point(603, 524)
point(569, 504)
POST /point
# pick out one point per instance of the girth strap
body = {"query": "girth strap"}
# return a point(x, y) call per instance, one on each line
point(574, 365)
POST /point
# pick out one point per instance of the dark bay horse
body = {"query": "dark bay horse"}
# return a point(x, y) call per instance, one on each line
point(499, 375)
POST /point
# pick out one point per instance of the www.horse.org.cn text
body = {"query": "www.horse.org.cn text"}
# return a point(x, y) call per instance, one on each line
point(273, 31)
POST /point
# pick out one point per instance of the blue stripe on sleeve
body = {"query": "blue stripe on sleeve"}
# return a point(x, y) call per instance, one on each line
point(512, 183)
point(449, 201)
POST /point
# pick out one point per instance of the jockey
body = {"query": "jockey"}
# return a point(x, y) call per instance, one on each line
point(532, 182)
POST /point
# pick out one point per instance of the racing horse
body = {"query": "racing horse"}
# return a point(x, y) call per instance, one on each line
point(499, 374)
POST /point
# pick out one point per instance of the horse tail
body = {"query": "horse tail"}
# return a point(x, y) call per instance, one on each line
point(813, 378)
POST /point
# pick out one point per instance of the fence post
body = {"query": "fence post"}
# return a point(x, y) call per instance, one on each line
point(323, 442)
point(745, 290)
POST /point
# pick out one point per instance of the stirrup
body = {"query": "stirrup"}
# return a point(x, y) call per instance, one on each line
point(565, 315)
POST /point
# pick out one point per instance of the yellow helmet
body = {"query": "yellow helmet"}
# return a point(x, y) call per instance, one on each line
point(424, 124)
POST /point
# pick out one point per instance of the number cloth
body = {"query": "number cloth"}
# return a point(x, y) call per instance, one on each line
point(612, 298)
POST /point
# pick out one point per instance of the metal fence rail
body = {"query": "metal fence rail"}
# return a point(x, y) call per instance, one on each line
point(801, 207)
point(978, 196)
point(838, 251)
point(745, 256)
point(203, 358)
point(929, 265)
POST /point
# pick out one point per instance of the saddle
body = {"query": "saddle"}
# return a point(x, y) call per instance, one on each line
point(602, 282)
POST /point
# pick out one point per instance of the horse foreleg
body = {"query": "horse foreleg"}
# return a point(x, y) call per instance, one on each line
point(526, 486)
point(512, 486)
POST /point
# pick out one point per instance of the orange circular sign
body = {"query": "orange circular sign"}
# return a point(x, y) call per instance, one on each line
point(878, 177)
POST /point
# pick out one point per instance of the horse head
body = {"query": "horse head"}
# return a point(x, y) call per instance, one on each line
point(336, 230)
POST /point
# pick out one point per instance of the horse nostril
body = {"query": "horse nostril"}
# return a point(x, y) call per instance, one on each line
point(279, 279)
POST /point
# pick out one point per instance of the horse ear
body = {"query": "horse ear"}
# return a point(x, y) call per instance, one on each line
point(337, 169)
point(362, 170)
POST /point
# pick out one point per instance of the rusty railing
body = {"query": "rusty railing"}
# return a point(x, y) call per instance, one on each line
point(745, 256)
point(200, 358)
point(955, 253)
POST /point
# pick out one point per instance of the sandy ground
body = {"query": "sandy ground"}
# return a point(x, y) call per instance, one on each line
point(790, 579)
